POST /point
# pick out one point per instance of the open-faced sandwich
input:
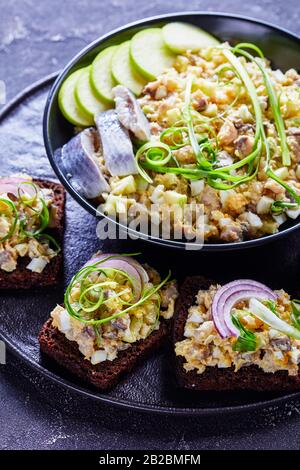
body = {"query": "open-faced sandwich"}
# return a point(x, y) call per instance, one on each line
point(241, 335)
point(31, 232)
point(116, 311)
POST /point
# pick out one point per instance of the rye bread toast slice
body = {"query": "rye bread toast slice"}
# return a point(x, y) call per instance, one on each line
point(23, 278)
point(104, 375)
point(215, 379)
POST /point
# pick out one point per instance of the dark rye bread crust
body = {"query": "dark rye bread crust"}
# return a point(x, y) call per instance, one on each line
point(104, 375)
point(21, 277)
point(213, 378)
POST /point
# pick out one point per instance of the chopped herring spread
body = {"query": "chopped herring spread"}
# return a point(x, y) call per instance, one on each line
point(204, 347)
point(26, 210)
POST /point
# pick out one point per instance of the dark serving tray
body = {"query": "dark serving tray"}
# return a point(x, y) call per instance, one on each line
point(151, 387)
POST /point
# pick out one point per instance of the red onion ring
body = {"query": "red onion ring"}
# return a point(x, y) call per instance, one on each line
point(228, 295)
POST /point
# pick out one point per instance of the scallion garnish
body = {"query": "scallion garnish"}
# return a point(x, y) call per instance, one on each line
point(271, 305)
point(175, 137)
point(295, 316)
point(273, 98)
point(49, 239)
point(91, 303)
point(153, 157)
point(43, 221)
point(11, 207)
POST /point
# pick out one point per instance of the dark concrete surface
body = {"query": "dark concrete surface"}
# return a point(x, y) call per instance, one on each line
point(39, 37)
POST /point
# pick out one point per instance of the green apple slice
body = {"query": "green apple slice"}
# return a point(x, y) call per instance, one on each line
point(87, 101)
point(102, 80)
point(68, 104)
point(123, 70)
point(150, 54)
point(181, 37)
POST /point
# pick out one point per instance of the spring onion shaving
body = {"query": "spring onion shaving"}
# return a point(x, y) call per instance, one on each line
point(49, 239)
point(26, 200)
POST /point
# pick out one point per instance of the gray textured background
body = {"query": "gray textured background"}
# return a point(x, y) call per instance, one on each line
point(39, 37)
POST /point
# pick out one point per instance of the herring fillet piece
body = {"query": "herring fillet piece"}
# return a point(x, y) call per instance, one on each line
point(81, 167)
point(116, 144)
point(130, 113)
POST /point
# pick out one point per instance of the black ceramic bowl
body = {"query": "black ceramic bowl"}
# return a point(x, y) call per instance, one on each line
point(282, 47)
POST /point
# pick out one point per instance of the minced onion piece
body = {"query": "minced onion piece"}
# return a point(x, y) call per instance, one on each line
point(267, 316)
point(229, 295)
point(187, 115)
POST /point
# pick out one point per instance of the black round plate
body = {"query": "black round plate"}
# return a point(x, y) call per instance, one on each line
point(282, 47)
